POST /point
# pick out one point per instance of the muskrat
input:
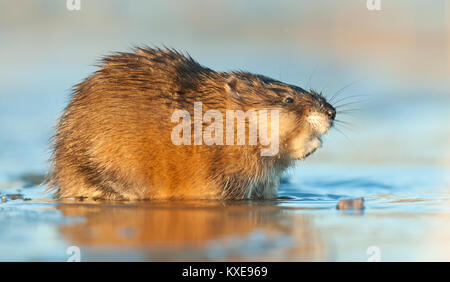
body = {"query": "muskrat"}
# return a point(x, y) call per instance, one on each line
point(114, 139)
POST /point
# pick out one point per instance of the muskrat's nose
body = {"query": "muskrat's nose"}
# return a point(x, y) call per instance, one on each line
point(330, 112)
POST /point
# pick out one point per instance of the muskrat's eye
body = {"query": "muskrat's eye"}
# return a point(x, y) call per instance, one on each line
point(289, 100)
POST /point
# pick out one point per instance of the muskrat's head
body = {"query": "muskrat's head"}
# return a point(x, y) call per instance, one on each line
point(304, 116)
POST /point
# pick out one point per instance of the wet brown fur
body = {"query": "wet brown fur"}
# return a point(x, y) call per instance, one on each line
point(113, 139)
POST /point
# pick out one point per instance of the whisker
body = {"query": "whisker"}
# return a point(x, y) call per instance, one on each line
point(349, 110)
point(350, 103)
point(350, 114)
point(348, 97)
point(346, 127)
point(336, 94)
point(340, 131)
point(343, 122)
point(310, 78)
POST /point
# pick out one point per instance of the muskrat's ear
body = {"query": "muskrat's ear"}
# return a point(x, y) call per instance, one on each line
point(231, 86)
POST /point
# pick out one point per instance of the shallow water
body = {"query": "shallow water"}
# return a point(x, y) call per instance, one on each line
point(406, 217)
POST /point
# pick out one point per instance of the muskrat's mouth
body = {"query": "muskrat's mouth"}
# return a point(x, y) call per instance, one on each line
point(309, 138)
point(311, 145)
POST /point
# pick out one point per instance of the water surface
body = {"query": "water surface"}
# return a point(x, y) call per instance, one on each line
point(407, 217)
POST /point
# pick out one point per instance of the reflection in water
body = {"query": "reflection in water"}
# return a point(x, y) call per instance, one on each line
point(194, 230)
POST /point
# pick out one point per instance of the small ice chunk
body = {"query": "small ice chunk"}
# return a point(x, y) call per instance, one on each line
point(351, 204)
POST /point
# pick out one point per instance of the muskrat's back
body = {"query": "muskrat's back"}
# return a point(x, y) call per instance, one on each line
point(113, 140)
